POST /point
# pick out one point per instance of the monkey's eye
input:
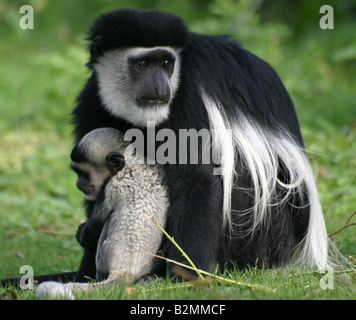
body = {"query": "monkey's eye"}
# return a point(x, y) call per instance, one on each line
point(167, 64)
point(143, 64)
point(82, 174)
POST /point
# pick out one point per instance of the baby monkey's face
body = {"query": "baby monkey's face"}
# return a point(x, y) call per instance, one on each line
point(93, 177)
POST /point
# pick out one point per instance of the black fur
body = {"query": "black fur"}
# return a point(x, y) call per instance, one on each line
point(77, 155)
point(88, 234)
point(131, 28)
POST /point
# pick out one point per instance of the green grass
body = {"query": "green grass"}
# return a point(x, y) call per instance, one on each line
point(40, 207)
point(284, 284)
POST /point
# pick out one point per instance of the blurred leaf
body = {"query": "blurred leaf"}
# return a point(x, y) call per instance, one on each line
point(344, 54)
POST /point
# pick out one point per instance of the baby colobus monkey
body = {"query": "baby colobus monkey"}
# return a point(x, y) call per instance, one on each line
point(95, 163)
point(125, 196)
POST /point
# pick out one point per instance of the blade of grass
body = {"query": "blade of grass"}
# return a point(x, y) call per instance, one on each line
point(221, 279)
point(180, 250)
point(200, 272)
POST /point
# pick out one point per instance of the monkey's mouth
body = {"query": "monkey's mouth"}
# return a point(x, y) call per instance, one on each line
point(152, 103)
point(89, 197)
point(88, 191)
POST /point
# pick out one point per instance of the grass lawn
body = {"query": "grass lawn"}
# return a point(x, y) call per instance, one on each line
point(40, 208)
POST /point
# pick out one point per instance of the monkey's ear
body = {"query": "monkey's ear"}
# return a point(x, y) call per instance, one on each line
point(95, 47)
point(95, 50)
point(115, 162)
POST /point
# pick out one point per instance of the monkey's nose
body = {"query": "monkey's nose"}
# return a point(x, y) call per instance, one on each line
point(163, 94)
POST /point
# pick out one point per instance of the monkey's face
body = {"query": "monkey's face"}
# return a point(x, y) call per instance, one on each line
point(138, 84)
point(95, 160)
point(90, 179)
point(93, 177)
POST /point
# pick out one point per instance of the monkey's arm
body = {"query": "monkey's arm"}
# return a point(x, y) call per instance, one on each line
point(89, 232)
point(194, 216)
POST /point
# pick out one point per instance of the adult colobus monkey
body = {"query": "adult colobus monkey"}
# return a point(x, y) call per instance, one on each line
point(263, 209)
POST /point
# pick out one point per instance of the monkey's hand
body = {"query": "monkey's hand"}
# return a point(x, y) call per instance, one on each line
point(86, 236)
point(79, 233)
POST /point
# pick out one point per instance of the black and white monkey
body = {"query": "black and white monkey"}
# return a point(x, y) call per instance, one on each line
point(126, 196)
point(264, 208)
point(94, 169)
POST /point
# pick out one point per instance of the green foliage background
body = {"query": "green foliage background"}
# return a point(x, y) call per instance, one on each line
point(42, 71)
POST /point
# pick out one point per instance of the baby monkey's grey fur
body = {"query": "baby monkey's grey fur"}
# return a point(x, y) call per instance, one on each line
point(132, 196)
